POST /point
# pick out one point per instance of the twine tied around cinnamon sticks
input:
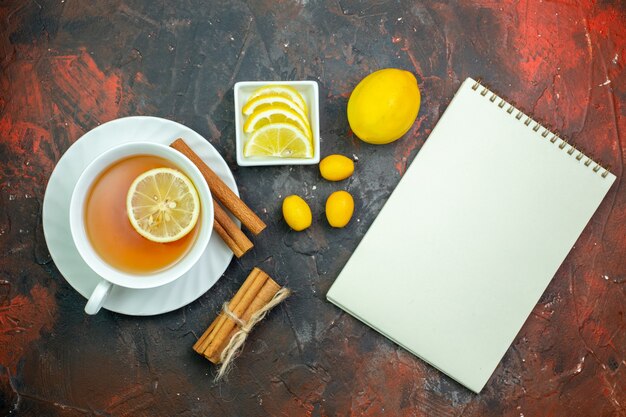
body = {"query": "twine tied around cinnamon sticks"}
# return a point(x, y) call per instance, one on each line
point(235, 345)
point(223, 341)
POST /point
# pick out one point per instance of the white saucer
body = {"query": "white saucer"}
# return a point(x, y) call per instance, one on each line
point(56, 227)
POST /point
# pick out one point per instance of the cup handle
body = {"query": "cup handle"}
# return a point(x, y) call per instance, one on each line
point(98, 296)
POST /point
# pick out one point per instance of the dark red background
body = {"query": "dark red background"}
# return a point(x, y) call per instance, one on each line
point(67, 66)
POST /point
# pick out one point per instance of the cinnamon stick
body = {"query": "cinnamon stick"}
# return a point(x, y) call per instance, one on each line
point(241, 300)
point(209, 334)
point(257, 290)
point(221, 191)
point(232, 235)
point(264, 295)
point(228, 325)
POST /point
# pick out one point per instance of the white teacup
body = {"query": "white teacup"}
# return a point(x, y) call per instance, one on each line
point(113, 276)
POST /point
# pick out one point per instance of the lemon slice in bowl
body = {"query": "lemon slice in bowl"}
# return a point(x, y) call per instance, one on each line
point(269, 101)
point(281, 140)
point(162, 205)
point(281, 90)
point(278, 113)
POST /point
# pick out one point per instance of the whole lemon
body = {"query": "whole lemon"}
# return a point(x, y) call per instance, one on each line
point(339, 208)
point(384, 105)
point(336, 167)
point(297, 213)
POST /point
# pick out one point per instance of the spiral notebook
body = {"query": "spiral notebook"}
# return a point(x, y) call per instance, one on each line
point(472, 235)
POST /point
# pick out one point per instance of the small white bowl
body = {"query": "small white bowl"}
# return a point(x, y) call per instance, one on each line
point(310, 93)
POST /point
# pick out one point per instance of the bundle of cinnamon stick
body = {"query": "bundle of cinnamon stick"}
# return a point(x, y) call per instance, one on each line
point(225, 227)
point(224, 338)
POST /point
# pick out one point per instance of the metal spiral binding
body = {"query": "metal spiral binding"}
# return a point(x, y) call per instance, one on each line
point(519, 115)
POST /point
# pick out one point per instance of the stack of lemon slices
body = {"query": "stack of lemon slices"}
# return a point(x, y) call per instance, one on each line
point(277, 124)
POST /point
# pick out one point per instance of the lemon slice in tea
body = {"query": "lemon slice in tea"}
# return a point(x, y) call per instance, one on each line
point(282, 140)
point(281, 90)
point(162, 205)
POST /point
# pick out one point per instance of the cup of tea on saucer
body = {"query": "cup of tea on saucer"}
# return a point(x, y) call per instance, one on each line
point(141, 215)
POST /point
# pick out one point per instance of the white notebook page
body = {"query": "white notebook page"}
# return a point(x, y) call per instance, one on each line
point(469, 240)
